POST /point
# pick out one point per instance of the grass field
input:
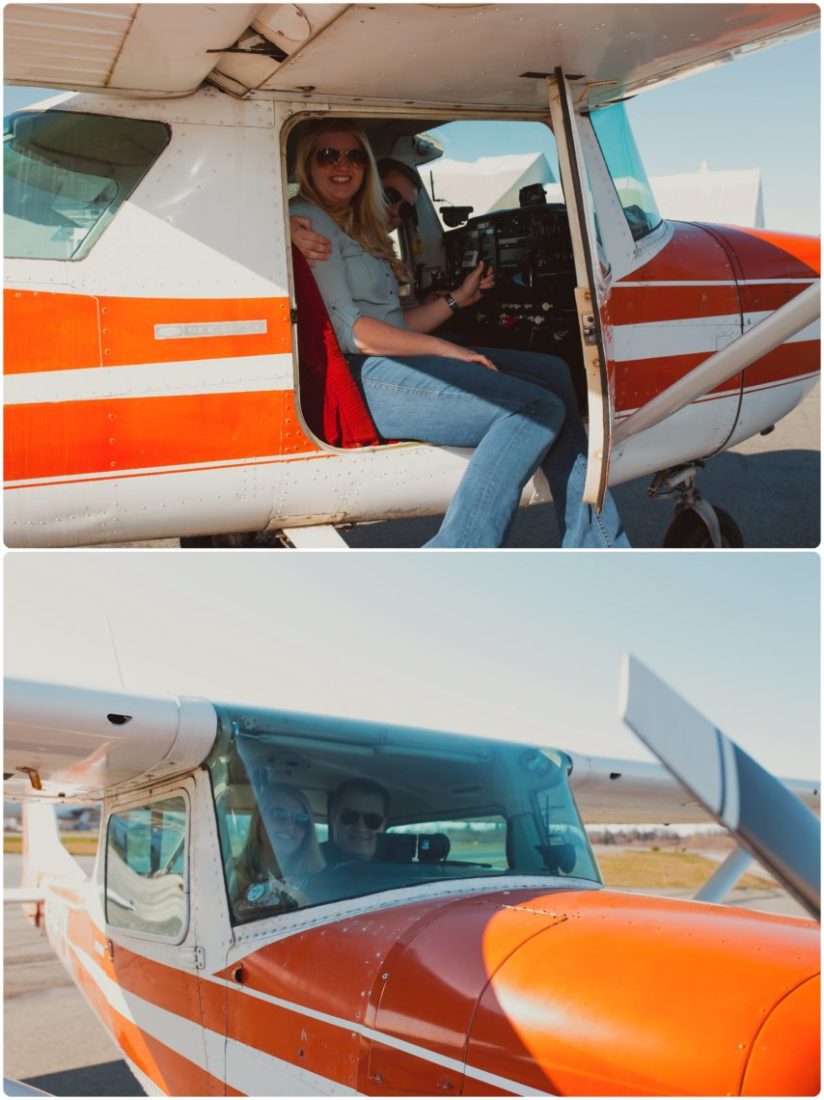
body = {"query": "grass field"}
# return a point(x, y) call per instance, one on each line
point(669, 869)
point(79, 844)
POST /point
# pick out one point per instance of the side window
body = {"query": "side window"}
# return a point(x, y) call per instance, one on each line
point(65, 176)
point(480, 841)
point(146, 868)
point(624, 164)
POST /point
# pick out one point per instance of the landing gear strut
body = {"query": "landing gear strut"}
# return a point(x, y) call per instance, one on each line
point(697, 524)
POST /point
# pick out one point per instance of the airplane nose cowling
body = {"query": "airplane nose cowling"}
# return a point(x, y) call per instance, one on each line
point(636, 995)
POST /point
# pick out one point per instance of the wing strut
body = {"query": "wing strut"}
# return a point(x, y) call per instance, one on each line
point(791, 318)
point(725, 876)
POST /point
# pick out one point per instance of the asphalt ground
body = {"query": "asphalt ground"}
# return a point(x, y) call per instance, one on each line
point(51, 1037)
point(770, 485)
point(53, 1040)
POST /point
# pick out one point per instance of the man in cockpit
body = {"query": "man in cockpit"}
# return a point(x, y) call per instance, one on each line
point(358, 811)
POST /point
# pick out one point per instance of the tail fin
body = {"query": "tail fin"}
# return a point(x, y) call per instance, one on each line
point(43, 854)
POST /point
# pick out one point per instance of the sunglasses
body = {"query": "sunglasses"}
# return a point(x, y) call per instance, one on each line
point(281, 814)
point(393, 197)
point(357, 158)
point(372, 821)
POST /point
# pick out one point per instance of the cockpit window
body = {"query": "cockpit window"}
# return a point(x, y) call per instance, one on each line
point(624, 163)
point(314, 810)
point(65, 176)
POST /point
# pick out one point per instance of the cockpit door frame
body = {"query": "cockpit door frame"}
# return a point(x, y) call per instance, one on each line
point(584, 248)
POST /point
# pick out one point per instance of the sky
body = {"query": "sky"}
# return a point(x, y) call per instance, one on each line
point(760, 111)
point(526, 646)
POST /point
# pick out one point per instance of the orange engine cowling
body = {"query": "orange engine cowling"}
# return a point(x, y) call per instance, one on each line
point(567, 991)
point(598, 993)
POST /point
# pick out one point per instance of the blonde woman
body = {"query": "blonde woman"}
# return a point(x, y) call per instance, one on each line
point(280, 854)
point(517, 409)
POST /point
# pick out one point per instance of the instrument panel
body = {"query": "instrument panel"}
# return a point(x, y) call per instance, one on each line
point(532, 305)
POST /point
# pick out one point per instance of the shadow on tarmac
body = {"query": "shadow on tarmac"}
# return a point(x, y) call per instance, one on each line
point(105, 1079)
point(773, 497)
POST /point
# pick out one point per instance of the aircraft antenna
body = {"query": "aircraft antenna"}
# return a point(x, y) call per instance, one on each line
point(114, 651)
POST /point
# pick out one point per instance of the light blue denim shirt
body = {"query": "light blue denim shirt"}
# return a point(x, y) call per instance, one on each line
point(352, 283)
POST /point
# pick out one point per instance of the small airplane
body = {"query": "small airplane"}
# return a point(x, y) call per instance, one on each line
point(166, 370)
point(477, 952)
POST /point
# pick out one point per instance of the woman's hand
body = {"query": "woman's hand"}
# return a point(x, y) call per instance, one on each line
point(466, 355)
point(476, 282)
point(307, 241)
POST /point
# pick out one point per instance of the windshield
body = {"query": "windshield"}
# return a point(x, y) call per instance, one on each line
point(313, 810)
point(624, 164)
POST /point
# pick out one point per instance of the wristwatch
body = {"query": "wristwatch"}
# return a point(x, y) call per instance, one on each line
point(450, 301)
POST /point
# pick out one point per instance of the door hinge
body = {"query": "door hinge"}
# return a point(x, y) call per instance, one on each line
point(293, 315)
point(193, 956)
point(589, 329)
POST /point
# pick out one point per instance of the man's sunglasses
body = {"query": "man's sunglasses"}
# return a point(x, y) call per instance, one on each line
point(373, 822)
point(356, 157)
point(280, 813)
point(393, 197)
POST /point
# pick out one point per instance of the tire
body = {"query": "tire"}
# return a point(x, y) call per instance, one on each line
point(688, 531)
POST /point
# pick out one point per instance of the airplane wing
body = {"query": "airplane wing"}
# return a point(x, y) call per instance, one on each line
point(475, 54)
point(151, 50)
point(619, 792)
point(767, 819)
point(76, 743)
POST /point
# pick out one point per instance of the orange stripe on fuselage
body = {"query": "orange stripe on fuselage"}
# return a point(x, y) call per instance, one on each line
point(651, 304)
point(164, 986)
point(84, 437)
point(637, 381)
point(46, 331)
point(170, 1071)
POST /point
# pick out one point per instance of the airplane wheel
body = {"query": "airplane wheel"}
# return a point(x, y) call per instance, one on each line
point(688, 531)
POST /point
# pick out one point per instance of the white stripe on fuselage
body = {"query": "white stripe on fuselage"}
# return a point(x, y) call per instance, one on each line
point(248, 1069)
point(239, 374)
point(690, 336)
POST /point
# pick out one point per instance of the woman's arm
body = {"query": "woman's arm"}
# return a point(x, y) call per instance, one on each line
point(427, 317)
point(375, 337)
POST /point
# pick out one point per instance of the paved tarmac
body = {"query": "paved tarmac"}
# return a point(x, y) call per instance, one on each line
point(770, 485)
point(53, 1040)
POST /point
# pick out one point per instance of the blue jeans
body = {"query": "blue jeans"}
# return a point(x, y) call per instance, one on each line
point(520, 417)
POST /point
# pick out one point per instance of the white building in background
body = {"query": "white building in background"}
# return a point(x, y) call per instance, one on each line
point(729, 198)
point(488, 183)
point(493, 183)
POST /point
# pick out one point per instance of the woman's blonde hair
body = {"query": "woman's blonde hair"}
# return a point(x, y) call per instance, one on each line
point(364, 218)
point(251, 863)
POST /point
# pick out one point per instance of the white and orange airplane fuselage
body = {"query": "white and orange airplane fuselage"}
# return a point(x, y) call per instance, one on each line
point(153, 386)
point(497, 968)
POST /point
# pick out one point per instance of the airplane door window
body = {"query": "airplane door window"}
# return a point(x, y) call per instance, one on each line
point(146, 868)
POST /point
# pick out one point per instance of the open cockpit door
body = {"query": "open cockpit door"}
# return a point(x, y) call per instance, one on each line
point(587, 299)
